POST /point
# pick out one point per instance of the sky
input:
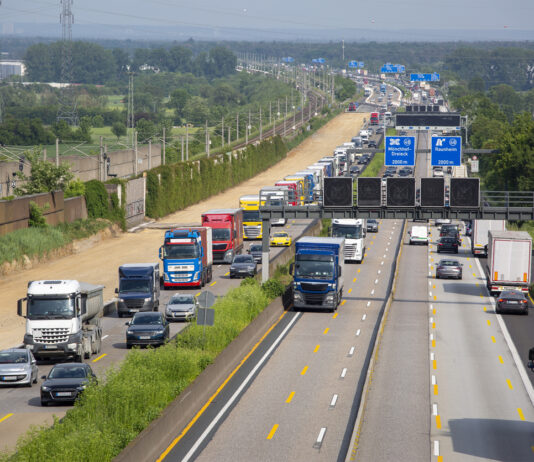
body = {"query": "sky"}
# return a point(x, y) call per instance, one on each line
point(289, 16)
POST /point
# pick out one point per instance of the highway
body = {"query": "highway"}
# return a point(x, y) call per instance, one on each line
point(23, 405)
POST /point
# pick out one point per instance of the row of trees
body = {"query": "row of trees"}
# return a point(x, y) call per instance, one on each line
point(92, 63)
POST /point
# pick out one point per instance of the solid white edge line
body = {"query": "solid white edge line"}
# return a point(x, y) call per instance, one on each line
point(334, 401)
point(511, 346)
point(436, 447)
point(245, 382)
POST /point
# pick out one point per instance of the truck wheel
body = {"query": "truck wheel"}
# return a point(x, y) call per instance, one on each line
point(78, 359)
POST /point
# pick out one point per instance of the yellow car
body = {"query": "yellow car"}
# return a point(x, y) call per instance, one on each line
point(280, 239)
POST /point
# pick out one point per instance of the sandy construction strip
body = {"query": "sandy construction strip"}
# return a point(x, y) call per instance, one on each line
point(99, 264)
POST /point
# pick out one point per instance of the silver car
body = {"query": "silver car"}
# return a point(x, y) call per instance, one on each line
point(181, 307)
point(18, 367)
point(449, 269)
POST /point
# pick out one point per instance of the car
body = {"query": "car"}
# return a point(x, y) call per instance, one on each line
point(372, 144)
point(372, 225)
point(243, 266)
point(18, 367)
point(448, 228)
point(65, 382)
point(362, 160)
point(442, 221)
point(449, 269)
point(256, 251)
point(379, 130)
point(449, 170)
point(181, 307)
point(437, 172)
point(447, 244)
point(147, 328)
point(403, 133)
point(512, 300)
point(355, 170)
point(280, 239)
point(468, 228)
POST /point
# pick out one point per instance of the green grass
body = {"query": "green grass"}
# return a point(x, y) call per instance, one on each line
point(38, 242)
point(375, 165)
point(111, 413)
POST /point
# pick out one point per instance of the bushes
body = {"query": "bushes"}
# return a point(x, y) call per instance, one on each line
point(182, 184)
point(100, 205)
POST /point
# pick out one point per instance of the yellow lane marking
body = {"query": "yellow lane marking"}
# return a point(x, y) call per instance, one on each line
point(493, 339)
point(438, 422)
point(470, 267)
point(433, 343)
point(290, 397)
point(433, 325)
point(316, 348)
point(481, 296)
point(350, 290)
point(7, 416)
point(326, 331)
point(226, 274)
point(435, 298)
point(213, 283)
point(371, 242)
point(100, 357)
point(489, 322)
point(365, 255)
point(212, 397)
point(359, 270)
point(354, 280)
point(501, 360)
point(440, 458)
point(335, 315)
point(198, 294)
point(509, 384)
point(474, 275)
point(434, 311)
point(434, 286)
point(304, 370)
point(532, 448)
point(485, 308)
point(436, 389)
point(434, 364)
point(468, 258)
point(520, 412)
point(272, 432)
point(343, 302)
point(431, 259)
point(476, 283)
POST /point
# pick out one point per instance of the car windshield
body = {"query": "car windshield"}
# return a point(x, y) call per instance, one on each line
point(221, 234)
point(448, 263)
point(314, 267)
point(243, 259)
point(255, 248)
point(181, 299)
point(146, 319)
point(68, 373)
point(13, 357)
point(251, 215)
point(181, 250)
point(134, 285)
point(371, 222)
point(349, 232)
point(280, 235)
point(50, 308)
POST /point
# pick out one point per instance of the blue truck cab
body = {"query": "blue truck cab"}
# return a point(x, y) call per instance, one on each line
point(318, 272)
point(138, 289)
point(310, 180)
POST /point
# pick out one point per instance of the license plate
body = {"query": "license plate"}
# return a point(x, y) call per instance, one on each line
point(134, 310)
point(63, 393)
point(144, 337)
point(512, 302)
point(9, 378)
point(50, 347)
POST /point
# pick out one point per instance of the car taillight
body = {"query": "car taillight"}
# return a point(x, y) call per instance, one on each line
point(501, 300)
point(440, 243)
point(523, 301)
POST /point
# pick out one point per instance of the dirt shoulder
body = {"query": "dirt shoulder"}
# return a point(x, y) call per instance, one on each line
point(99, 263)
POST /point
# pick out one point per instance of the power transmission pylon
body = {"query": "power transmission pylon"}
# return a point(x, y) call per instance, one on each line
point(67, 100)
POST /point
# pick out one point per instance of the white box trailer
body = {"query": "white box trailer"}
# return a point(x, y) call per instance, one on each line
point(509, 261)
point(479, 236)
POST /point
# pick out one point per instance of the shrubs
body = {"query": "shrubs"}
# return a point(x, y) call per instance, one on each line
point(273, 288)
point(100, 205)
point(36, 218)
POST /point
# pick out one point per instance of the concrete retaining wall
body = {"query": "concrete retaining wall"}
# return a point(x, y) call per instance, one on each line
point(75, 209)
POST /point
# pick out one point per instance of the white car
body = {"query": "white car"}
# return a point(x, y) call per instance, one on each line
point(442, 221)
point(419, 235)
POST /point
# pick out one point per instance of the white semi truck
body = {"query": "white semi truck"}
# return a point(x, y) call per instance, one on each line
point(354, 231)
point(479, 236)
point(63, 318)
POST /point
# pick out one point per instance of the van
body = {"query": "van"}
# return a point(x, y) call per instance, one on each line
point(419, 235)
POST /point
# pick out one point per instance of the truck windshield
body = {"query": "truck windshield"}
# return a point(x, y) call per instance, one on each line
point(134, 285)
point(181, 251)
point(221, 234)
point(314, 267)
point(46, 308)
point(348, 232)
point(251, 215)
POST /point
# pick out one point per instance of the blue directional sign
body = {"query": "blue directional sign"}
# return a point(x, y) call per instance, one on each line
point(446, 150)
point(318, 60)
point(400, 150)
point(353, 63)
point(389, 68)
point(424, 77)
point(288, 59)
point(361, 64)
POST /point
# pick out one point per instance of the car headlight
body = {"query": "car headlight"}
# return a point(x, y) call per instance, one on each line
point(81, 387)
point(197, 275)
point(148, 299)
point(45, 388)
point(71, 346)
point(129, 332)
point(168, 310)
point(298, 296)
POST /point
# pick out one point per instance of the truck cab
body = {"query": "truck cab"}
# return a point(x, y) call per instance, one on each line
point(227, 232)
point(252, 227)
point(354, 231)
point(138, 289)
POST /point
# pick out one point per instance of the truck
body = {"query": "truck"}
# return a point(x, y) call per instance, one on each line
point(329, 167)
point(252, 227)
point(479, 235)
point(304, 182)
point(354, 231)
point(367, 91)
point(383, 88)
point(296, 187)
point(375, 118)
point(138, 289)
point(318, 272)
point(63, 319)
point(227, 232)
point(508, 266)
point(277, 196)
point(311, 179)
point(187, 255)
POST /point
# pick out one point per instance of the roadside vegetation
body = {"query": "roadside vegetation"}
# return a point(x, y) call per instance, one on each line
point(111, 413)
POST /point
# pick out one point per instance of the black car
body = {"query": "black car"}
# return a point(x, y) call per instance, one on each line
point(379, 130)
point(448, 229)
point(372, 144)
point(243, 266)
point(512, 300)
point(65, 382)
point(147, 328)
point(255, 251)
point(355, 170)
point(362, 160)
point(372, 225)
point(447, 244)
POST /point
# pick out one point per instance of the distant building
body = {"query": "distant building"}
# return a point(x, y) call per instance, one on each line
point(10, 67)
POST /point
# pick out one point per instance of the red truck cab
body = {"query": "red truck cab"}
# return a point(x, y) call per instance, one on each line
point(227, 226)
point(375, 119)
point(296, 191)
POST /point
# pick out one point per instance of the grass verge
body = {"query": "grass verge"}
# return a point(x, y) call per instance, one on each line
point(38, 242)
point(111, 413)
